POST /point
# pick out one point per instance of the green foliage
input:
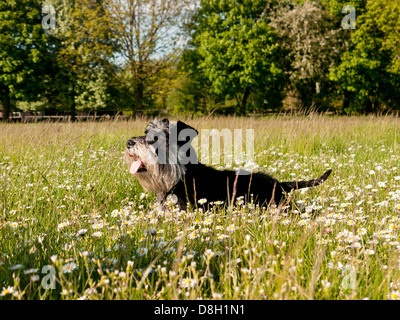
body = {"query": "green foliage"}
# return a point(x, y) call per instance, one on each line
point(312, 44)
point(192, 94)
point(369, 74)
point(237, 56)
point(86, 45)
point(147, 36)
point(237, 50)
point(334, 7)
point(23, 49)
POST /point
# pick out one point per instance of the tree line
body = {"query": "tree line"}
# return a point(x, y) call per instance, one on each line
point(199, 57)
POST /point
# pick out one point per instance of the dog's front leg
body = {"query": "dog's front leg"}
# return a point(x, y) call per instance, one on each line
point(160, 200)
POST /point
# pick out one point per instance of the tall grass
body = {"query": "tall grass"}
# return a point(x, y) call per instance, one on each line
point(68, 201)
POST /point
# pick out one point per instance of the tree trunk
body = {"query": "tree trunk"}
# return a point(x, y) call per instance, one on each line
point(6, 103)
point(369, 107)
point(242, 106)
point(306, 98)
point(346, 103)
point(73, 104)
point(73, 111)
point(139, 96)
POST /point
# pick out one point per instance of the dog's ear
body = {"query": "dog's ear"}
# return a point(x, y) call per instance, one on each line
point(165, 122)
point(151, 125)
point(158, 124)
point(186, 134)
point(182, 126)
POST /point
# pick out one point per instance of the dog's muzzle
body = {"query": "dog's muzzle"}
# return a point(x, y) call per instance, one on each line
point(137, 165)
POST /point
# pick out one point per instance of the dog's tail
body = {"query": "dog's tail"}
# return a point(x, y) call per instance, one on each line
point(294, 185)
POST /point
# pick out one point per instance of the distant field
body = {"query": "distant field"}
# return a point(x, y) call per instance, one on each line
point(70, 211)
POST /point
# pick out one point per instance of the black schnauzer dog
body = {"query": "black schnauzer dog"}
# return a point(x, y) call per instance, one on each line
point(164, 162)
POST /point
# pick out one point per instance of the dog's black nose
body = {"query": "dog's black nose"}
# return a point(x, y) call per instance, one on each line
point(130, 143)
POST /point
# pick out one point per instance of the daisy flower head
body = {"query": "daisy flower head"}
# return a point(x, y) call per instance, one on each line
point(97, 226)
point(97, 234)
point(303, 222)
point(162, 244)
point(169, 250)
point(369, 252)
point(350, 222)
point(357, 245)
point(6, 291)
point(115, 213)
point(190, 254)
point(394, 295)
point(193, 235)
point(187, 282)
point(69, 267)
point(14, 225)
point(219, 253)
point(362, 231)
point(221, 237)
point(202, 201)
point(64, 292)
point(63, 225)
point(381, 184)
point(142, 251)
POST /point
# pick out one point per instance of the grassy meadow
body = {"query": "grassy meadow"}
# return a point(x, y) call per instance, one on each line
point(70, 211)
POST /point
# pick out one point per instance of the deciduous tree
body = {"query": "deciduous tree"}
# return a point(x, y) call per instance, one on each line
point(369, 74)
point(238, 50)
point(23, 49)
point(148, 37)
point(84, 55)
point(313, 44)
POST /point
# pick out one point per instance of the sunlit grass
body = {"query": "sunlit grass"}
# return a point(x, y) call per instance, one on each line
point(68, 201)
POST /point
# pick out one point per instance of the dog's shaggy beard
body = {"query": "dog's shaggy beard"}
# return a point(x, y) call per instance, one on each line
point(158, 178)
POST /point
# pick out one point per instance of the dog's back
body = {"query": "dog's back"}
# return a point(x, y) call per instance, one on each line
point(201, 182)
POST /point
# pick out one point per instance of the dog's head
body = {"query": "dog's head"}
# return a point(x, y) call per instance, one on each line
point(159, 158)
